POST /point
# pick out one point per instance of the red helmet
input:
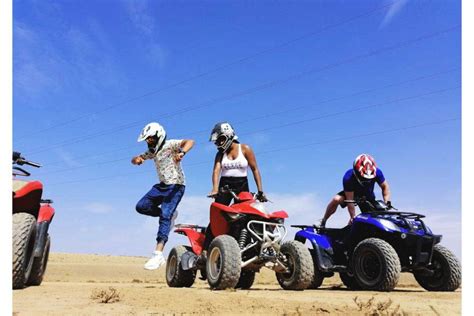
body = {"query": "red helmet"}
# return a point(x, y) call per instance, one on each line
point(365, 167)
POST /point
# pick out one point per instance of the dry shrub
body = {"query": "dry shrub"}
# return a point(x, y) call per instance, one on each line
point(380, 308)
point(110, 295)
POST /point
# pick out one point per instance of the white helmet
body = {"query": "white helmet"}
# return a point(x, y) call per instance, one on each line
point(155, 130)
point(225, 130)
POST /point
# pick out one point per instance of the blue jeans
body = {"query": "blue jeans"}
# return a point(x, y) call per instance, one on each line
point(161, 201)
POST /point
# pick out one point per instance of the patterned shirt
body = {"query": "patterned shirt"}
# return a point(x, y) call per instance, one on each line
point(169, 171)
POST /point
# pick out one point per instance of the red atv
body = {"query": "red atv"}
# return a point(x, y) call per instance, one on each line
point(31, 219)
point(247, 238)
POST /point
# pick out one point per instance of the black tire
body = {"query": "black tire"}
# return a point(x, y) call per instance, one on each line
point(247, 277)
point(300, 266)
point(175, 275)
point(23, 242)
point(318, 277)
point(223, 265)
point(376, 265)
point(447, 271)
point(349, 281)
point(39, 265)
point(317, 281)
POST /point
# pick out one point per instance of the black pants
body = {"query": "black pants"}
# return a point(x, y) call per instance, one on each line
point(236, 184)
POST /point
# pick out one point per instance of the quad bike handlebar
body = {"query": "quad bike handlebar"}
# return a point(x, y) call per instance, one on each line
point(227, 189)
point(382, 206)
point(19, 160)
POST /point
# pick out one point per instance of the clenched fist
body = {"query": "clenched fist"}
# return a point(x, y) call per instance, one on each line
point(137, 160)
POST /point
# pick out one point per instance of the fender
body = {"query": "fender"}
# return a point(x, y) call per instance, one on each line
point(195, 238)
point(27, 196)
point(278, 214)
point(322, 251)
point(46, 213)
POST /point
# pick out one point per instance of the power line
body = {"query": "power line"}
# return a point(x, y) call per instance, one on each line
point(283, 148)
point(297, 108)
point(327, 115)
point(253, 89)
point(219, 68)
point(48, 163)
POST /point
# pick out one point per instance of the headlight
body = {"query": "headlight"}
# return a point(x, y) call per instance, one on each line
point(389, 224)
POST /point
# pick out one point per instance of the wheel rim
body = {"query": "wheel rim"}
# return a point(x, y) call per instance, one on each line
point(291, 267)
point(215, 263)
point(369, 266)
point(437, 279)
point(172, 267)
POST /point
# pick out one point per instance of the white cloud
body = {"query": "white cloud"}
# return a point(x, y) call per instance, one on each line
point(30, 77)
point(144, 23)
point(67, 158)
point(258, 138)
point(83, 61)
point(304, 208)
point(137, 11)
point(98, 208)
point(392, 12)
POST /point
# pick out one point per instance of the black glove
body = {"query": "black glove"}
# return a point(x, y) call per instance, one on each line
point(261, 197)
point(16, 156)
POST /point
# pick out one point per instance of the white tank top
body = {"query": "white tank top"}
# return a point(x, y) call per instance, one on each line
point(234, 168)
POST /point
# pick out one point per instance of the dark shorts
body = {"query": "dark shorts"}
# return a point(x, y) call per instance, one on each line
point(343, 204)
point(237, 184)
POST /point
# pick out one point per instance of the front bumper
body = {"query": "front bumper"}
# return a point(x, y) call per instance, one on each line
point(416, 250)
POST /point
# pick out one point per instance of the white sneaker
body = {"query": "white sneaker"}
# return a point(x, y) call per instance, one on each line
point(156, 261)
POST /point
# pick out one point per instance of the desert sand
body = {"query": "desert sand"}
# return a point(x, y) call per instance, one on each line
point(74, 282)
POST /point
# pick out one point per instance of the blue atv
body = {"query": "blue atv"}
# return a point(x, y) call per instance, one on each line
point(370, 253)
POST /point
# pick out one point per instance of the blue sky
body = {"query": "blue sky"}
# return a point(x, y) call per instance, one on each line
point(308, 85)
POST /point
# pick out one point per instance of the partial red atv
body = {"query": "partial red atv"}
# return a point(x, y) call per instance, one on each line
point(247, 238)
point(31, 219)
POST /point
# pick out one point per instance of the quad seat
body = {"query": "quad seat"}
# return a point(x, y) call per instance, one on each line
point(338, 233)
point(27, 196)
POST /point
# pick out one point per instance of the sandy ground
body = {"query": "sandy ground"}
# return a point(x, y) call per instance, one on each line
point(73, 282)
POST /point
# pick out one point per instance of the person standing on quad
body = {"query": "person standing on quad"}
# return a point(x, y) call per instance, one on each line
point(358, 182)
point(231, 163)
point(163, 198)
point(230, 169)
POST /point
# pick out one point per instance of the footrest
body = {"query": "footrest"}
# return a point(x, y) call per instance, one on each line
point(190, 226)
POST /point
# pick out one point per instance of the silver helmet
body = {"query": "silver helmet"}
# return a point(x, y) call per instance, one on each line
point(223, 135)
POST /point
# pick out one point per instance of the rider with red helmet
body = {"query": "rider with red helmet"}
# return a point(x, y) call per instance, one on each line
point(359, 181)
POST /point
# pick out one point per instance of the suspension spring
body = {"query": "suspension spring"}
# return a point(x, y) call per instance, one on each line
point(243, 238)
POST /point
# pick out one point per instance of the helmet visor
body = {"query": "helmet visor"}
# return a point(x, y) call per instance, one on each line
point(220, 141)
